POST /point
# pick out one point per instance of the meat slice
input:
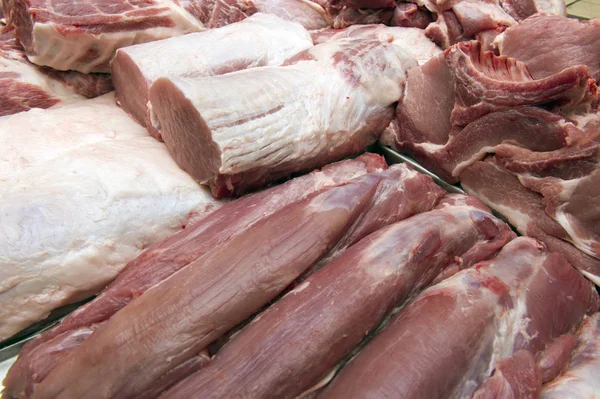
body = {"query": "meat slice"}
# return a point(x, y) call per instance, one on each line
point(259, 40)
point(525, 210)
point(547, 44)
point(307, 13)
point(409, 15)
point(162, 260)
point(498, 316)
point(300, 338)
point(478, 101)
point(219, 290)
point(66, 168)
point(521, 9)
point(580, 380)
point(329, 102)
point(412, 40)
point(24, 86)
point(83, 36)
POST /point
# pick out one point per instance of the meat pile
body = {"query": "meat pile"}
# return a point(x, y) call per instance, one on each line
point(242, 240)
point(524, 122)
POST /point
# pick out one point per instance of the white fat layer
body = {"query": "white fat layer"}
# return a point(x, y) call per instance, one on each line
point(65, 52)
point(479, 155)
point(86, 191)
point(430, 147)
point(581, 242)
point(261, 39)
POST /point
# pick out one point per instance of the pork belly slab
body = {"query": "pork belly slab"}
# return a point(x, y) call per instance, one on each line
point(485, 332)
point(83, 36)
point(83, 190)
point(24, 85)
point(330, 101)
point(228, 277)
point(300, 338)
point(580, 379)
point(259, 40)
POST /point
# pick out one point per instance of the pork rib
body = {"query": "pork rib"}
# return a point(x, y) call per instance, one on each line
point(498, 316)
point(24, 86)
point(83, 36)
point(333, 100)
point(73, 212)
point(259, 40)
point(580, 380)
point(314, 327)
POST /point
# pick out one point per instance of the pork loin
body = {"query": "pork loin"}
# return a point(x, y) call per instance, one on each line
point(259, 40)
point(297, 340)
point(498, 318)
point(330, 101)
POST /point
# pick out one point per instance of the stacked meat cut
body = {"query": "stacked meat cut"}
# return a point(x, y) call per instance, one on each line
point(326, 272)
point(536, 113)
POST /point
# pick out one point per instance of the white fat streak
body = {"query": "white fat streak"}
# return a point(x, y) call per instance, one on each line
point(430, 147)
point(592, 277)
point(584, 244)
point(300, 288)
point(323, 382)
point(517, 218)
point(460, 167)
point(61, 52)
point(29, 73)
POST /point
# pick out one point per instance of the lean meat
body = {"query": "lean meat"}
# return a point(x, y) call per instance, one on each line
point(504, 324)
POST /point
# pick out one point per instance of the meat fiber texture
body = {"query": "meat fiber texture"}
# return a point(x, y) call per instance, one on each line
point(24, 85)
point(259, 40)
point(549, 44)
point(83, 190)
point(580, 379)
point(83, 36)
point(165, 258)
point(505, 330)
point(226, 284)
point(487, 104)
point(300, 338)
point(328, 102)
point(218, 13)
point(412, 40)
point(526, 211)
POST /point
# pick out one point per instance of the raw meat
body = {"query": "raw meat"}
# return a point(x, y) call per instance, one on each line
point(83, 36)
point(212, 295)
point(498, 318)
point(412, 40)
point(260, 40)
point(547, 44)
point(521, 9)
point(524, 210)
point(24, 86)
point(462, 104)
point(296, 341)
point(411, 16)
point(159, 262)
point(306, 12)
point(84, 191)
point(218, 13)
point(580, 381)
point(330, 101)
